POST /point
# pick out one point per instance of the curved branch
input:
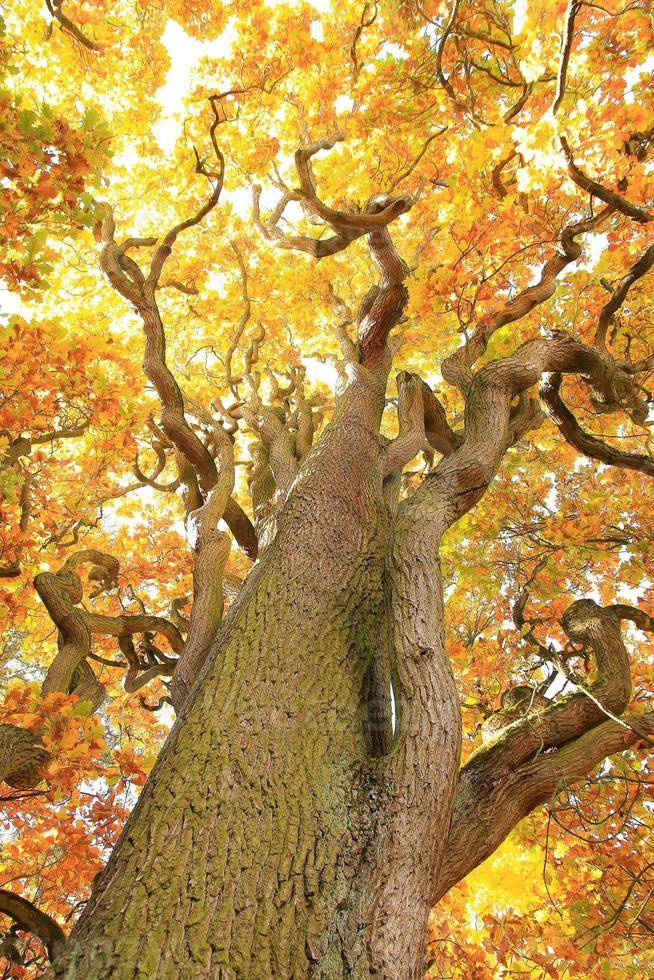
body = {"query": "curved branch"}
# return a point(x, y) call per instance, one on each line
point(422, 421)
point(67, 25)
point(368, 17)
point(640, 267)
point(130, 282)
point(611, 198)
point(571, 12)
point(583, 441)
point(217, 177)
point(319, 248)
point(369, 219)
point(151, 481)
point(22, 446)
point(440, 435)
point(278, 441)
point(245, 316)
point(411, 415)
point(456, 368)
point(211, 548)
point(384, 303)
point(636, 616)
point(61, 592)
point(29, 918)
point(461, 478)
point(484, 818)
point(507, 778)
point(348, 226)
point(438, 65)
point(382, 306)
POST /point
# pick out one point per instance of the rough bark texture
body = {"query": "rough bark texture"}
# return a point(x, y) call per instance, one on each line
point(286, 830)
point(21, 757)
point(289, 829)
point(250, 852)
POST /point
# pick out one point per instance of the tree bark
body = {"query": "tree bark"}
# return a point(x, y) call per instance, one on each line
point(269, 840)
point(290, 828)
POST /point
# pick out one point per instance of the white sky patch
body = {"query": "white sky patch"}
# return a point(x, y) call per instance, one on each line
point(184, 53)
point(11, 303)
point(395, 50)
point(519, 15)
point(595, 244)
point(344, 103)
point(321, 371)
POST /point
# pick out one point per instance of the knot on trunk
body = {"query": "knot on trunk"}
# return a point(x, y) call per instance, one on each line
point(21, 757)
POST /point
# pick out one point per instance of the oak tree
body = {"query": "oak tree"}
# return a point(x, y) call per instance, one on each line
point(326, 441)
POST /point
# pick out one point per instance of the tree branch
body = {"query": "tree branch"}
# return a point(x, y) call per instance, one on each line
point(128, 279)
point(422, 421)
point(22, 446)
point(484, 819)
point(347, 226)
point(641, 266)
point(571, 12)
point(54, 6)
point(583, 441)
point(411, 415)
point(614, 200)
point(383, 304)
point(525, 764)
point(211, 548)
point(461, 478)
point(29, 918)
point(61, 592)
point(456, 368)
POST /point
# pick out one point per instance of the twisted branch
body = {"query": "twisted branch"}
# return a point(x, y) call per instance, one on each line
point(614, 200)
point(139, 289)
point(583, 441)
point(61, 592)
point(528, 761)
point(457, 368)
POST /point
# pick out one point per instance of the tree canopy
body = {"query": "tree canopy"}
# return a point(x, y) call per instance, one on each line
point(207, 173)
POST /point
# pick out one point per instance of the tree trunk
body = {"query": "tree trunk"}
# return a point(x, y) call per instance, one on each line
point(285, 830)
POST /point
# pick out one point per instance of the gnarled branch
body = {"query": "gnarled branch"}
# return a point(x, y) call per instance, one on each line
point(461, 478)
point(139, 289)
point(457, 368)
point(61, 592)
point(521, 769)
point(641, 266)
point(614, 200)
point(29, 918)
point(583, 441)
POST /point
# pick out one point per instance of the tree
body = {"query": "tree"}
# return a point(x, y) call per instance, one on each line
point(449, 201)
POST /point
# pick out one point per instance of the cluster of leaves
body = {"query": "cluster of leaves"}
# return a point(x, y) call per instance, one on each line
point(57, 837)
point(49, 166)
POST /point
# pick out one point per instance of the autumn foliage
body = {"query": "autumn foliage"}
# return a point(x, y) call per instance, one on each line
point(462, 111)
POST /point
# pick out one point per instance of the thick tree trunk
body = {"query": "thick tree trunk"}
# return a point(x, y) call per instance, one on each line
point(284, 830)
